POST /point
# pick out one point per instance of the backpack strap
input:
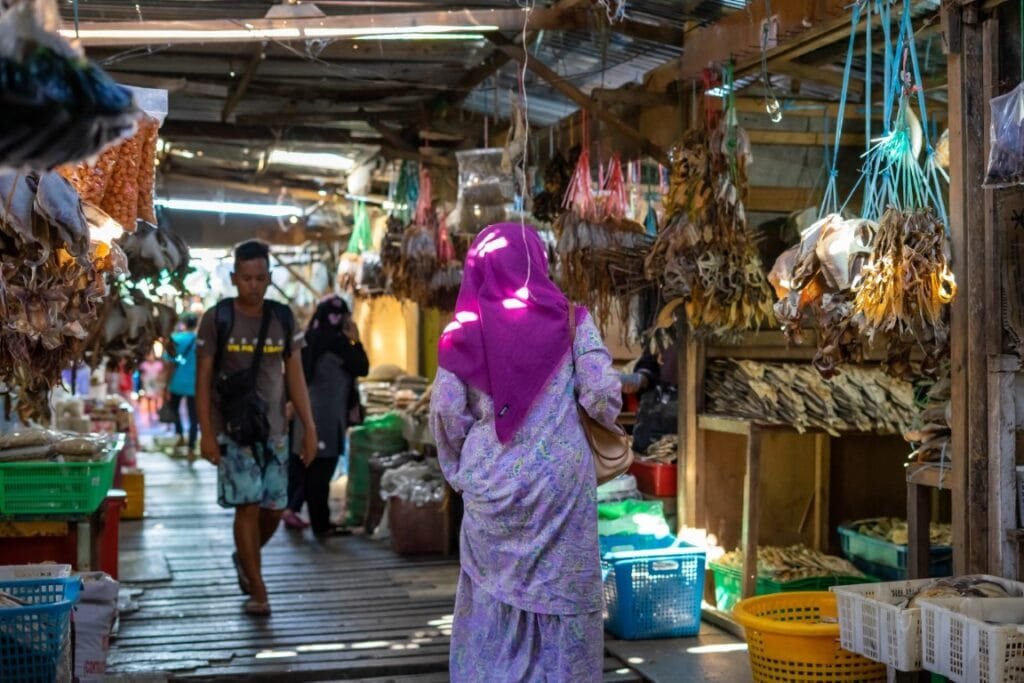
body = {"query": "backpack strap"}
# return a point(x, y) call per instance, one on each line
point(224, 320)
point(261, 341)
point(286, 318)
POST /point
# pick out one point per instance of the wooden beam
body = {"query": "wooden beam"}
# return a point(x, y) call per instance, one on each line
point(578, 97)
point(737, 36)
point(332, 116)
point(171, 85)
point(634, 97)
point(392, 136)
point(203, 130)
point(780, 199)
point(238, 92)
point(751, 511)
point(1002, 461)
point(822, 477)
point(815, 74)
point(803, 138)
point(654, 33)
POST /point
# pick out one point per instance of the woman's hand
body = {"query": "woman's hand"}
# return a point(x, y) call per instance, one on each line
point(633, 382)
point(351, 331)
point(209, 448)
point(310, 446)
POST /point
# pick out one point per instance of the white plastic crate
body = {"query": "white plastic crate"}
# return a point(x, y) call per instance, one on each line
point(958, 642)
point(873, 625)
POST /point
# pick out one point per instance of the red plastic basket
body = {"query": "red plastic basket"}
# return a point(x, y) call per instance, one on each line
point(654, 478)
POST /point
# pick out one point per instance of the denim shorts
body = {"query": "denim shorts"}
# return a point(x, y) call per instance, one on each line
point(248, 476)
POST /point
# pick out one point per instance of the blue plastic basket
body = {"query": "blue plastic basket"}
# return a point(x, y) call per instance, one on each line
point(653, 593)
point(32, 637)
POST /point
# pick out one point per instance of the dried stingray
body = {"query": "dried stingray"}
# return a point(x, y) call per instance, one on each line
point(706, 253)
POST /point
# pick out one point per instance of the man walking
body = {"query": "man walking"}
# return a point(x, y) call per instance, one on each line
point(248, 368)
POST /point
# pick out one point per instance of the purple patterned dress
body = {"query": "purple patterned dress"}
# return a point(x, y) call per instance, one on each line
point(529, 600)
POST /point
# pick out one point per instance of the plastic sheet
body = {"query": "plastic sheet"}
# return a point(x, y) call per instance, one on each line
point(485, 190)
point(417, 483)
point(56, 107)
point(1006, 158)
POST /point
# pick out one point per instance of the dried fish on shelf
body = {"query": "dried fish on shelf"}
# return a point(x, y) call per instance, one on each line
point(905, 288)
point(706, 255)
point(793, 394)
point(792, 563)
point(895, 530)
point(665, 450)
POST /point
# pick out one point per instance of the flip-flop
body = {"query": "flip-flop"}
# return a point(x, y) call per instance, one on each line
point(333, 530)
point(243, 581)
point(257, 609)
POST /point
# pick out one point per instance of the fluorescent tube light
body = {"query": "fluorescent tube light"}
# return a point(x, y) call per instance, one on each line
point(331, 162)
point(250, 32)
point(271, 210)
point(422, 36)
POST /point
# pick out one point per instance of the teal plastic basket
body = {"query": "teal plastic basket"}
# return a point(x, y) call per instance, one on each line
point(33, 636)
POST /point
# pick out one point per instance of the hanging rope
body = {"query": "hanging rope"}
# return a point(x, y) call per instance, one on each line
point(830, 200)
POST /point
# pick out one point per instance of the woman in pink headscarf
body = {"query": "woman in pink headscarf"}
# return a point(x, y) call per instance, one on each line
point(509, 438)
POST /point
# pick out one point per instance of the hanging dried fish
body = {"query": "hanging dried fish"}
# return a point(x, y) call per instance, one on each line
point(706, 254)
point(905, 288)
point(51, 289)
point(813, 281)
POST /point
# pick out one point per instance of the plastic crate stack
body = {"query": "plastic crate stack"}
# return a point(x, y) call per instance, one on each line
point(653, 586)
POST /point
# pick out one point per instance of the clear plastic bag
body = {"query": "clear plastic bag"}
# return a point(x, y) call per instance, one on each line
point(418, 483)
point(56, 107)
point(1006, 157)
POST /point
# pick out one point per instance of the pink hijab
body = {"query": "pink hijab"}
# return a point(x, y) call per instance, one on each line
point(511, 329)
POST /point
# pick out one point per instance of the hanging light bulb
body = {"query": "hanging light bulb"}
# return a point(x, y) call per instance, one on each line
point(774, 109)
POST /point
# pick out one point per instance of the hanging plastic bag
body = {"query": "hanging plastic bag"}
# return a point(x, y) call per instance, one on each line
point(1006, 158)
point(56, 107)
point(362, 234)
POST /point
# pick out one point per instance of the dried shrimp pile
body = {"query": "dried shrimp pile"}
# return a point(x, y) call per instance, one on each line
point(706, 255)
point(600, 252)
point(52, 284)
point(792, 564)
point(858, 400)
point(121, 180)
point(904, 289)
point(815, 279)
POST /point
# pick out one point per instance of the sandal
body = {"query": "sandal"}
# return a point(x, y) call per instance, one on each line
point(243, 581)
point(333, 530)
point(292, 520)
point(257, 609)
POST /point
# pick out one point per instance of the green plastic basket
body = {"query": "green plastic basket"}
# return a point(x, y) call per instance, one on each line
point(729, 585)
point(52, 488)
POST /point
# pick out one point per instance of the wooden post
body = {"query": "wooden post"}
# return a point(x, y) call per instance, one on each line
point(969, 325)
point(919, 517)
point(1002, 512)
point(751, 510)
point(822, 472)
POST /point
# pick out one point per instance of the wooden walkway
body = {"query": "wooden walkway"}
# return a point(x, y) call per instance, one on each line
point(343, 609)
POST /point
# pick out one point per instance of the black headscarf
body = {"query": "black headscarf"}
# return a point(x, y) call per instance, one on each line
point(325, 331)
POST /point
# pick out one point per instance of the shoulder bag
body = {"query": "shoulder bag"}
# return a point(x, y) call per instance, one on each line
point(610, 447)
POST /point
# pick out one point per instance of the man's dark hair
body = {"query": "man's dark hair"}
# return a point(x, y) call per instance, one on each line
point(190, 321)
point(252, 250)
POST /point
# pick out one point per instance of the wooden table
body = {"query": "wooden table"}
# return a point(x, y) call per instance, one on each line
point(88, 542)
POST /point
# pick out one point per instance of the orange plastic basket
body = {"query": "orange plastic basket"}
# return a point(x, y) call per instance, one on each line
point(794, 638)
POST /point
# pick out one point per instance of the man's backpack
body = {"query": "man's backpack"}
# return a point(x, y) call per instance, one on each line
point(242, 407)
point(224, 320)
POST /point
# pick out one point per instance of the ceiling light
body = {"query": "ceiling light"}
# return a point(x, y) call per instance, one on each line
point(251, 32)
point(422, 36)
point(322, 193)
point(171, 35)
point(363, 33)
point(331, 162)
point(183, 153)
point(272, 210)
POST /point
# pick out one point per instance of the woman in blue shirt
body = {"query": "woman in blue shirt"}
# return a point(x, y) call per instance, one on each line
point(182, 384)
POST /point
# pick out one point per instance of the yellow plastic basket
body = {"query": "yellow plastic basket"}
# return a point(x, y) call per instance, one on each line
point(794, 638)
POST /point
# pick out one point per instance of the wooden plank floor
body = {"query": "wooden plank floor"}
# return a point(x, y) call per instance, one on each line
point(343, 609)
